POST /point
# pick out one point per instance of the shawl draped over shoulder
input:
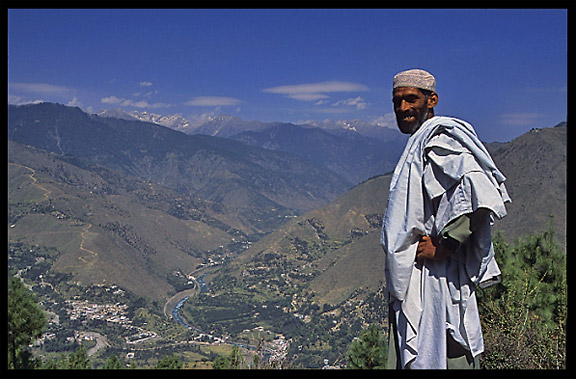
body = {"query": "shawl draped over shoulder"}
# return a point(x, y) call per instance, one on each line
point(444, 172)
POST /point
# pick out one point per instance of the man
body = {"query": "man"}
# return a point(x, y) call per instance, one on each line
point(443, 195)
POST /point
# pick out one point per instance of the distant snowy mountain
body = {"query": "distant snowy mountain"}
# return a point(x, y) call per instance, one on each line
point(176, 121)
point(116, 113)
point(379, 129)
point(228, 126)
point(347, 153)
point(354, 149)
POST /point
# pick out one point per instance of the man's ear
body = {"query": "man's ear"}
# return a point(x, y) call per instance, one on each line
point(432, 100)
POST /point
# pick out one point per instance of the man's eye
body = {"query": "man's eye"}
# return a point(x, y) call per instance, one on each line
point(409, 99)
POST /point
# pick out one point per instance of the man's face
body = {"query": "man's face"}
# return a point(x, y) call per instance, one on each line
point(411, 108)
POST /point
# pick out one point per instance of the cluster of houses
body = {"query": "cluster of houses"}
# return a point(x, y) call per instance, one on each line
point(115, 313)
point(83, 309)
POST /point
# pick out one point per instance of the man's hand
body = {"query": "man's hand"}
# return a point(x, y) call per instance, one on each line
point(429, 249)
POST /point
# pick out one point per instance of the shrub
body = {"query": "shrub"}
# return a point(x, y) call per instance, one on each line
point(524, 317)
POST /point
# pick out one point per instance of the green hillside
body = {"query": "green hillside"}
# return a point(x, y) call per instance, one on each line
point(106, 227)
point(334, 248)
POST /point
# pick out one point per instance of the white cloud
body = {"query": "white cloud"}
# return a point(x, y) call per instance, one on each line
point(19, 100)
point(357, 102)
point(388, 120)
point(32, 93)
point(315, 91)
point(130, 103)
point(145, 84)
point(308, 96)
point(320, 87)
point(145, 94)
point(41, 89)
point(520, 119)
point(111, 100)
point(212, 101)
point(74, 103)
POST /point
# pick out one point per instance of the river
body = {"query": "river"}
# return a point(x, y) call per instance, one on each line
point(179, 320)
point(176, 310)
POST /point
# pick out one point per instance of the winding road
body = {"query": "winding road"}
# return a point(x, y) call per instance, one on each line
point(101, 342)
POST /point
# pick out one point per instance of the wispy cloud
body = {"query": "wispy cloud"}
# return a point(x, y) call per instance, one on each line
point(212, 101)
point(32, 93)
point(387, 120)
point(308, 96)
point(358, 102)
point(131, 103)
point(315, 91)
point(520, 119)
point(20, 100)
point(43, 89)
point(75, 102)
point(145, 84)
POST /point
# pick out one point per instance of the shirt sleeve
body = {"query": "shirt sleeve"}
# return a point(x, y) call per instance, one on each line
point(458, 231)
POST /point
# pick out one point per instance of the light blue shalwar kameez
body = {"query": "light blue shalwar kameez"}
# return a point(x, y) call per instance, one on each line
point(443, 173)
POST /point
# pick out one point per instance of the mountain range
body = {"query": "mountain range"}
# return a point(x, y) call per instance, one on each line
point(535, 166)
point(227, 126)
point(211, 168)
point(356, 150)
point(134, 202)
point(352, 156)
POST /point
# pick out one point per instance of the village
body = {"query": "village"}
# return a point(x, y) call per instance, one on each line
point(114, 313)
point(85, 310)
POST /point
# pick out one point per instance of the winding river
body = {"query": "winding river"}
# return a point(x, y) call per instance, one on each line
point(187, 293)
point(176, 310)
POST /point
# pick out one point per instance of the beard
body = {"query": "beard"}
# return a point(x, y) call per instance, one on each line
point(409, 123)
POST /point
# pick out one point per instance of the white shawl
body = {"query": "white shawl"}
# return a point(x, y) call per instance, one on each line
point(443, 173)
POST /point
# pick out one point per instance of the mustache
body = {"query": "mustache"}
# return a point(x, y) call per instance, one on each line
point(408, 114)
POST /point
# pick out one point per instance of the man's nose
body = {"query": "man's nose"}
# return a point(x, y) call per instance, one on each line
point(404, 106)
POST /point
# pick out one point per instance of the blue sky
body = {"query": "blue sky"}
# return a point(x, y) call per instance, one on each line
point(505, 71)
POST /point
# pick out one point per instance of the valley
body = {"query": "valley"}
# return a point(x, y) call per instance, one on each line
point(287, 248)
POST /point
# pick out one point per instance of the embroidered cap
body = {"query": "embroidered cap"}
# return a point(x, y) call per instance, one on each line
point(415, 78)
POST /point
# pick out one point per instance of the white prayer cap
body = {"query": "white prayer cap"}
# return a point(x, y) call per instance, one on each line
point(415, 78)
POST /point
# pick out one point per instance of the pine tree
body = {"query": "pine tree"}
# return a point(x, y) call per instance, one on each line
point(221, 362)
point(236, 358)
point(524, 317)
point(113, 363)
point(26, 322)
point(79, 359)
point(170, 362)
point(61, 363)
point(369, 351)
